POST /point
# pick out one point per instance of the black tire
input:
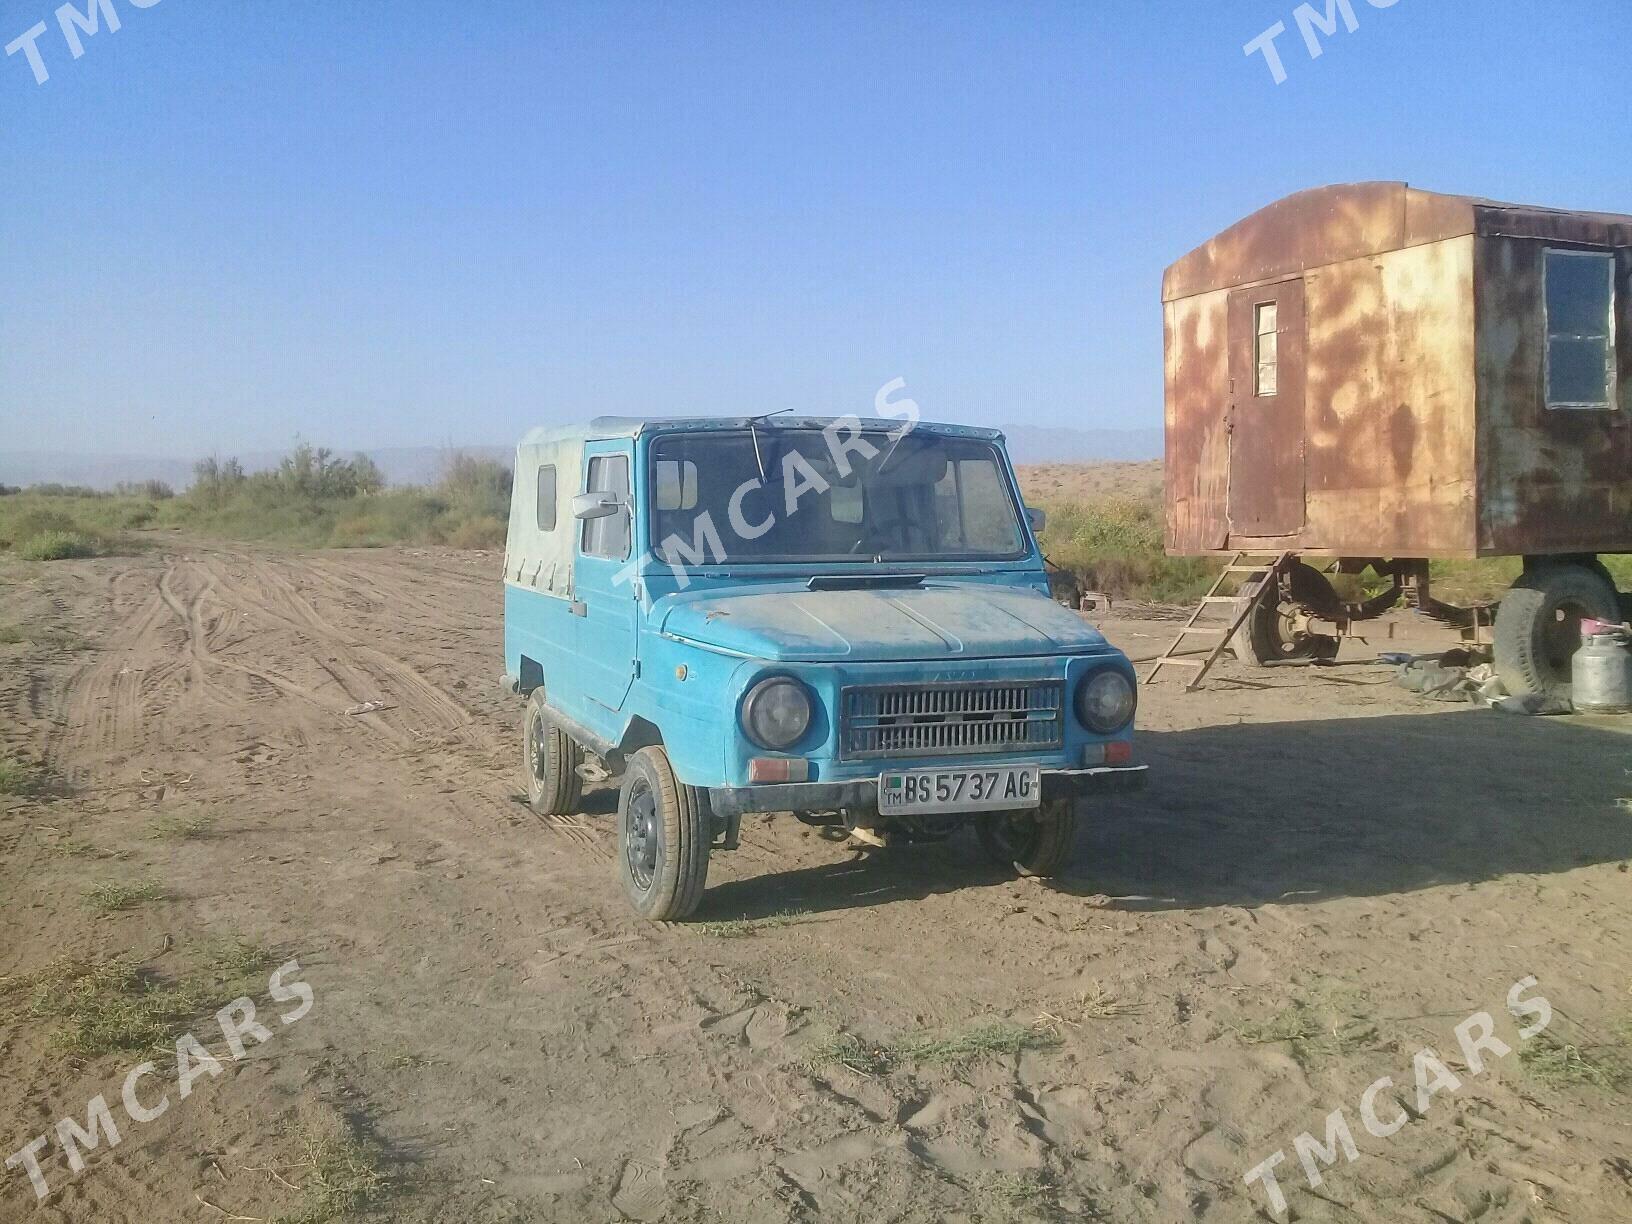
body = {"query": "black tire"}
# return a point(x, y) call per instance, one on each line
point(551, 758)
point(664, 833)
point(1269, 631)
point(1538, 625)
point(1033, 843)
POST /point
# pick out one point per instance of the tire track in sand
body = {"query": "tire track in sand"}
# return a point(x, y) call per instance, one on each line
point(478, 790)
point(103, 710)
point(362, 671)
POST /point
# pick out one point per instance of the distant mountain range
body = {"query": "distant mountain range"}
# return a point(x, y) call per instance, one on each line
point(423, 464)
point(1045, 444)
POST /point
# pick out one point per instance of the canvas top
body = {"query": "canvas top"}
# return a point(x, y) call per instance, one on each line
point(1328, 225)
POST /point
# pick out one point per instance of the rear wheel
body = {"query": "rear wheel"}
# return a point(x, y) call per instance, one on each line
point(1034, 843)
point(1538, 625)
point(664, 833)
point(554, 786)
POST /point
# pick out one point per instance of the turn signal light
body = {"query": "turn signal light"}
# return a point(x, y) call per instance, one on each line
point(1119, 752)
point(778, 769)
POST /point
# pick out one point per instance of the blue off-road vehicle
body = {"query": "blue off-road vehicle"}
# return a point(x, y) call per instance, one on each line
point(847, 620)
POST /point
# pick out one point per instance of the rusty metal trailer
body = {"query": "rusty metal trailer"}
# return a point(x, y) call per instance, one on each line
point(1380, 376)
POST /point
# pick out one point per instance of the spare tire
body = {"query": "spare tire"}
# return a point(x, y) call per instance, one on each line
point(1538, 625)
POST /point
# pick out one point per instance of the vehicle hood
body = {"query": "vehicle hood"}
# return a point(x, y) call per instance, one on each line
point(965, 621)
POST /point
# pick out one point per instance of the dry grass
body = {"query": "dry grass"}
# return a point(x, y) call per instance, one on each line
point(109, 1006)
point(114, 1005)
point(983, 1041)
point(1561, 1064)
point(1095, 1003)
point(237, 962)
point(112, 896)
point(172, 827)
point(1091, 482)
point(1312, 1032)
point(77, 847)
point(999, 1039)
point(16, 778)
point(741, 928)
point(848, 1050)
point(1010, 1190)
point(338, 1173)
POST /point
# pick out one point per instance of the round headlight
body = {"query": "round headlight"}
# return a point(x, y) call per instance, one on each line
point(1105, 702)
point(776, 713)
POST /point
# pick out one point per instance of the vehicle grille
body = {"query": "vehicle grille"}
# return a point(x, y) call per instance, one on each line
point(931, 720)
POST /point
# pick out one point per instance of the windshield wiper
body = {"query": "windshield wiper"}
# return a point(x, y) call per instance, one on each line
point(754, 434)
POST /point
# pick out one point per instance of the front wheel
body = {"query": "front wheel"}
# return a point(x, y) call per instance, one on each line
point(1034, 843)
point(664, 833)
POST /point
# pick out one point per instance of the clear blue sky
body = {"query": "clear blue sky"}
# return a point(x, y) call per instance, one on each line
point(413, 223)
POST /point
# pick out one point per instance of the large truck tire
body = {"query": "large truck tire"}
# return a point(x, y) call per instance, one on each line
point(1538, 625)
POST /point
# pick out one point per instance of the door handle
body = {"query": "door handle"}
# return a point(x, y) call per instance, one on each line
point(578, 608)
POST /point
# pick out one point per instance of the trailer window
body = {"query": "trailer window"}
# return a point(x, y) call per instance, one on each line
point(1266, 352)
point(1580, 329)
point(546, 497)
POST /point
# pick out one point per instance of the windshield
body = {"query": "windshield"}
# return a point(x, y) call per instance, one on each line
point(795, 495)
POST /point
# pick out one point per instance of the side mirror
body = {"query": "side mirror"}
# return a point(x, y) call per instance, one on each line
point(595, 505)
point(1037, 518)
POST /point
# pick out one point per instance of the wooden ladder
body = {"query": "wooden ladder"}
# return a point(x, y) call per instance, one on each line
point(1256, 579)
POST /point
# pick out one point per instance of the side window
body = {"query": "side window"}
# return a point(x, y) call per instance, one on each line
point(1580, 329)
point(1266, 348)
point(546, 498)
point(608, 536)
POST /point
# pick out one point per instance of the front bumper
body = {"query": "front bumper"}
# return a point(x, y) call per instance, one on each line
point(863, 793)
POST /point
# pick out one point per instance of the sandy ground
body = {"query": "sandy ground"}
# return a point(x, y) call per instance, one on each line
point(1326, 875)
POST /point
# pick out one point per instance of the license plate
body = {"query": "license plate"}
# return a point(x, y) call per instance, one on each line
point(960, 790)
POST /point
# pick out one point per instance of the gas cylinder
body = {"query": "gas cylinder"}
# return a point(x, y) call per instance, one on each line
point(1601, 674)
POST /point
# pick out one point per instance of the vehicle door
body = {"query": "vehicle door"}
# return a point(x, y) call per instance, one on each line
point(1266, 337)
point(604, 589)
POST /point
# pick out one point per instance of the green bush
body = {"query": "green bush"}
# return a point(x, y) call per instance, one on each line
point(1115, 546)
point(31, 523)
point(29, 515)
point(315, 500)
point(476, 486)
point(148, 490)
point(312, 499)
point(56, 546)
point(53, 489)
point(483, 531)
